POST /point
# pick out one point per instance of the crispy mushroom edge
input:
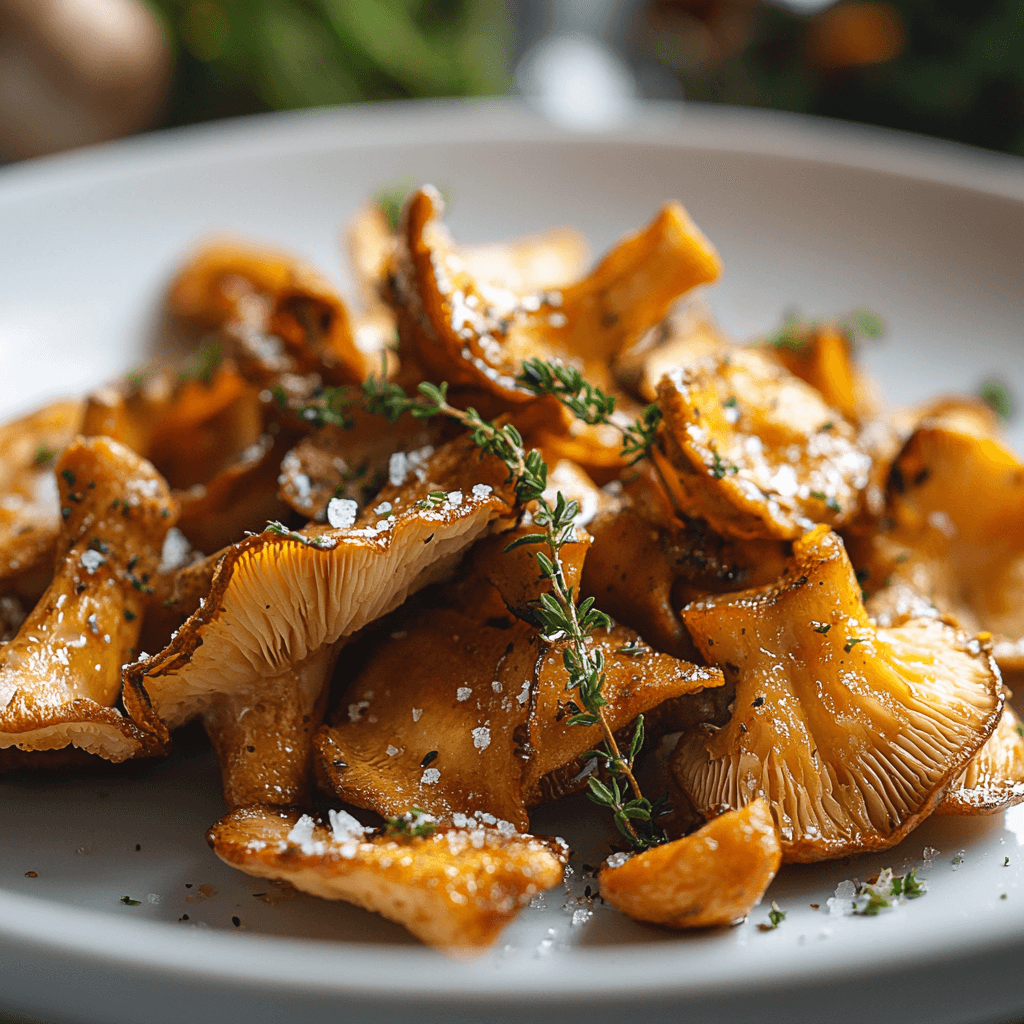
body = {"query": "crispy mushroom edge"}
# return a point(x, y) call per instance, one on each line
point(455, 889)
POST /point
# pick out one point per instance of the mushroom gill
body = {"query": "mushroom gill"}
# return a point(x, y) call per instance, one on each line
point(264, 639)
point(851, 732)
point(994, 778)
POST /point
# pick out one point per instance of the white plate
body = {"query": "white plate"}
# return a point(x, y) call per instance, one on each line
point(809, 213)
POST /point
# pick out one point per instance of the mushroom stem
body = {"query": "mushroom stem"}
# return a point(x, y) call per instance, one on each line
point(264, 739)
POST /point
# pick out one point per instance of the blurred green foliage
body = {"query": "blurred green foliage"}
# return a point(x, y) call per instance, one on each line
point(960, 76)
point(244, 56)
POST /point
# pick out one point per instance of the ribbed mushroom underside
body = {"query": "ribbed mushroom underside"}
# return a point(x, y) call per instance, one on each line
point(847, 763)
point(851, 733)
point(275, 600)
point(994, 778)
point(455, 888)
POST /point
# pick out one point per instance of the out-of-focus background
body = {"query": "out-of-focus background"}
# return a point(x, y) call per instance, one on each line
point(74, 72)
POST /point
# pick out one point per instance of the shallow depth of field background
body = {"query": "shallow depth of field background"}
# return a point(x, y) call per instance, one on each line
point(78, 71)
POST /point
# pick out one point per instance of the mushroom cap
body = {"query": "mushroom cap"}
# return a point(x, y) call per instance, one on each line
point(824, 358)
point(30, 509)
point(952, 533)
point(455, 889)
point(61, 674)
point(714, 877)
point(276, 600)
point(464, 330)
point(283, 316)
point(756, 451)
point(850, 732)
point(994, 778)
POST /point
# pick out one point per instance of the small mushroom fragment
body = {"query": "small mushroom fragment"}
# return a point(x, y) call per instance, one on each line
point(261, 647)
point(455, 889)
point(756, 451)
point(711, 878)
point(61, 675)
point(462, 329)
point(29, 505)
point(994, 778)
point(279, 314)
point(952, 531)
point(823, 357)
point(851, 732)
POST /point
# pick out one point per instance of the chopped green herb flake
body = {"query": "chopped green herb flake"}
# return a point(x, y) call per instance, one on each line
point(775, 915)
point(821, 627)
point(995, 394)
point(852, 642)
point(129, 902)
point(44, 456)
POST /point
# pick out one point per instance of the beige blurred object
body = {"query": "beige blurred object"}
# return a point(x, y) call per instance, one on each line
point(74, 72)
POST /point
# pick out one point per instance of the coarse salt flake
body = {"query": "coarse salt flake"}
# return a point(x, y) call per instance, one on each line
point(430, 777)
point(416, 712)
point(91, 561)
point(481, 491)
point(342, 512)
point(455, 498)
point(481, 738)
point(463, 693)
point(391, 750)
point(302, 831)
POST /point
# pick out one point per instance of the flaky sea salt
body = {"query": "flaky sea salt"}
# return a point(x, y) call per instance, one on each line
point(416, 712)
point(481, 491)
point(481, 738)
point(342, 512)
point(463, 693)
point(430, 777)
point(302, 831)
point(616, 860)
point(344, 826)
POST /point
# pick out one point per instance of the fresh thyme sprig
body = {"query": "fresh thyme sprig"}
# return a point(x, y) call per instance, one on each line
point(561, 619)
point(591, 404)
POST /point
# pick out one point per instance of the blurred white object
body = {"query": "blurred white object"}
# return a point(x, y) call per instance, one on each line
point(572, 76)
point(73, 72)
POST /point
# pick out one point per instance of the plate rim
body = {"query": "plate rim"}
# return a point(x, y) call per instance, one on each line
point(410, 973)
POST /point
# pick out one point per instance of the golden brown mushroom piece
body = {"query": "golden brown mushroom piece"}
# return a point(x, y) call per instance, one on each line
point(756, 451)
point(994, 778)
point(645, 563)
point(279, 315)
point(463, 713)
point(823, 356)
point(851, 732)
point(952, 532)
point(61, 675)
point(454, 889)
point(213, 439)
point(711, 878)
point(463, 330)
point(254, 661)
point(29, 504)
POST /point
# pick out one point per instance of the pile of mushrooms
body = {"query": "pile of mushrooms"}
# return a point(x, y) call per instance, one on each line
point(816, 594)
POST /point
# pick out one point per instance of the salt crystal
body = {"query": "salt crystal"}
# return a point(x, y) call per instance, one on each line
point(463, 693)
point(481, 738)
point(581, 916)
point(344, 827)
point(398, 467)
point(357, 710)
point(496, 686)
point(430, 777)
point(175, 550)
point(416, 712)
point(91, 561)
point(302, 831)
point(383, 508)
point(392, 750)
point(481, 491)
point(616, 860)
point(342, 512)
point(455, 498)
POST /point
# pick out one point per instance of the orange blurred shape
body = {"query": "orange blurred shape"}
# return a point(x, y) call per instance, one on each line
point(850, 35)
